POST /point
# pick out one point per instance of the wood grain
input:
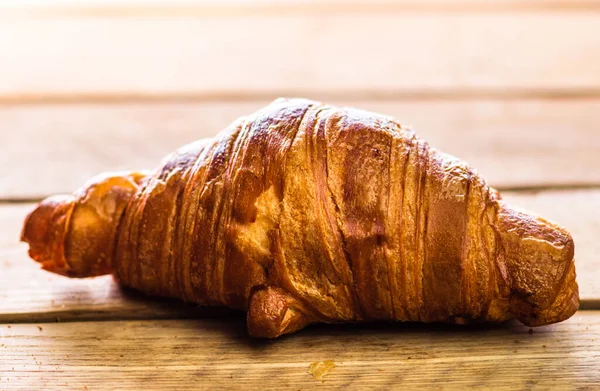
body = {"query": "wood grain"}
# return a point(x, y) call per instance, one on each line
point(30, 294)
point(383, 52)
point(56, 148)
point(216, 353)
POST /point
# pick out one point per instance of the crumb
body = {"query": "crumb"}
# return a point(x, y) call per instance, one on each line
point(408, 358)
point(530, 331)
point(514, 351)
point(517, 341)
point(40, 327)
point(121, 355)
point(544, 346)
point(319, 369)
point(8, 326)
point(380, 370)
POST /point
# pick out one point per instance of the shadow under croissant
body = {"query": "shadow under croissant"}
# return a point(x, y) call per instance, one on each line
point(233, 323)
point(153, 307)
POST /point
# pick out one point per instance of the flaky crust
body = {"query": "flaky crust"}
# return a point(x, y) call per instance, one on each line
point(304, 213)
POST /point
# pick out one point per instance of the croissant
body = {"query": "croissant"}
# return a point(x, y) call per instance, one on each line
point(303, 213)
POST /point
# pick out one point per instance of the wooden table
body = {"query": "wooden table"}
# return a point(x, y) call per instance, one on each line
point(511, 86)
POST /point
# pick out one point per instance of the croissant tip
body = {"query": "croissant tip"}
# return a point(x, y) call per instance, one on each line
point(43, 229)
point(565, 304)
point(37, 224)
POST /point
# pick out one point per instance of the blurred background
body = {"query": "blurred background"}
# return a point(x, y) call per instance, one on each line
point(513, 87)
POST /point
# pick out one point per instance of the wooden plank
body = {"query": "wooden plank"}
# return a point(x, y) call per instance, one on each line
point(216, 353)
point(383, 52)
point(56, 148)
point(30, 294)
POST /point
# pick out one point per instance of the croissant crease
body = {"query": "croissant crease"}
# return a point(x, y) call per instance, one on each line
point(303, 213)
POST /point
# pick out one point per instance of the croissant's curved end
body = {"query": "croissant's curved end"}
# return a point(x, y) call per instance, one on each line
point(74, 235)
point(563, 307)
point(45, 229)
point(539, 258)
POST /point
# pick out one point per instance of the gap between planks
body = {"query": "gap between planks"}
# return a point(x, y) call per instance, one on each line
point(376, 95)
point(526, 189)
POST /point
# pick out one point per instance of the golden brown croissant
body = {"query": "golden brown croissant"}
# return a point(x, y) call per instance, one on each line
point(304, 213)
